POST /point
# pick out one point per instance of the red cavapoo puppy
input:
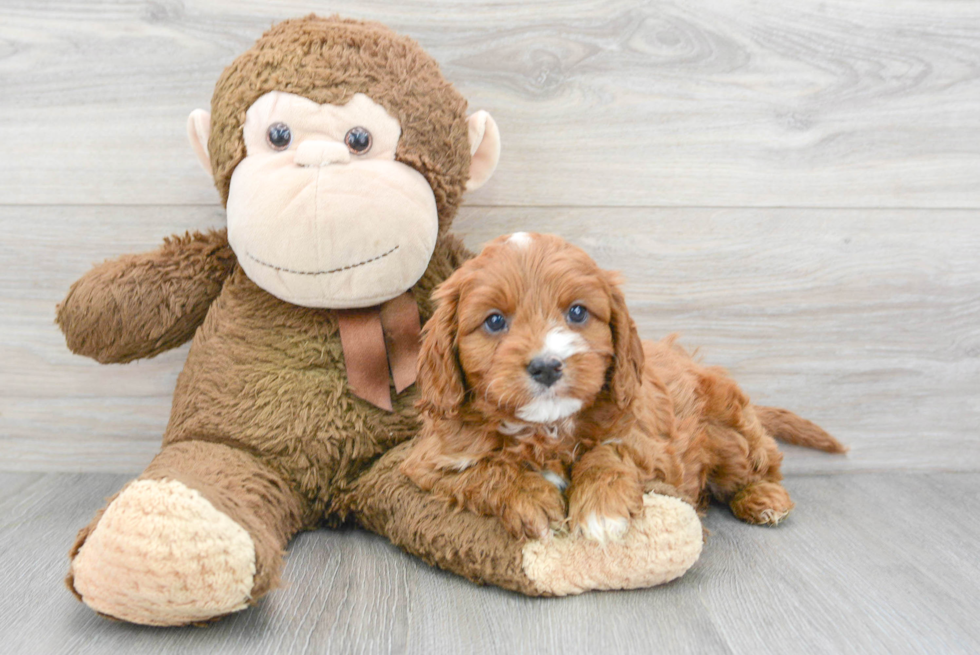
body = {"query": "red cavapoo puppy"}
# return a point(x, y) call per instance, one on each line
point(539, 401)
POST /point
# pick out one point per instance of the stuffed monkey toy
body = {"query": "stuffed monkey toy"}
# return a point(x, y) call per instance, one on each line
point(341, 155)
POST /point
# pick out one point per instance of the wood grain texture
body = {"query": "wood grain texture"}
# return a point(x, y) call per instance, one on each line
point(600, 102)
point(868, 563)
point(689, 144)
point(865, 321)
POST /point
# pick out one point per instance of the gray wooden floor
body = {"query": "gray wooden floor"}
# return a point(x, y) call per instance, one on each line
point(872, 562)
point(793, 186)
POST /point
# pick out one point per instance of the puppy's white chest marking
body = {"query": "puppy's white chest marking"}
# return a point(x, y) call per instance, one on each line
point(525, 430)
point(555, 479)
point(461, 464)
point(511, 429)
point(561, 343)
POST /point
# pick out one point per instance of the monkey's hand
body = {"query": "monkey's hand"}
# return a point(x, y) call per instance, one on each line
point(141, 305)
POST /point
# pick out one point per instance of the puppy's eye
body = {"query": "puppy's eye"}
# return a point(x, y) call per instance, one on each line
point(358, 140)
point(279, 136)
point(577, 314)
point(495, 323)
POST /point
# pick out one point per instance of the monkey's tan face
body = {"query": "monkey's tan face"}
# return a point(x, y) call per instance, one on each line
point(319, 212)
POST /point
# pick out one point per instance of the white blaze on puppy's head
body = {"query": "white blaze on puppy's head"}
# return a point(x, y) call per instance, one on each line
point(519, 239)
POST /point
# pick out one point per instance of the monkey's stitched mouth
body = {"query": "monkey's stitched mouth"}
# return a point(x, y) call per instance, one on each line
point(332, 270)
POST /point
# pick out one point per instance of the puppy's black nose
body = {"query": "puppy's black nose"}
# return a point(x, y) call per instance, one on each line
point(545, 371)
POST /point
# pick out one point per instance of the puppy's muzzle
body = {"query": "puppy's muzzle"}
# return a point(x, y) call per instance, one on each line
point(545, 370)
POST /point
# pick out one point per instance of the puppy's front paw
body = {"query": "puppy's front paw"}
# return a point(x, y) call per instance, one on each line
point(603, 528)
point(602, 511)
point(531, 508)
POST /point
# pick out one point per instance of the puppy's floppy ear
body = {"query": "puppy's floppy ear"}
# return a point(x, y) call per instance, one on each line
point(628, 362)
point(440, 378)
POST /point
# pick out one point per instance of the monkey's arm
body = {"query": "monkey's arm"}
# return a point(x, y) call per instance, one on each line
point(141, 305)
point(662, 543)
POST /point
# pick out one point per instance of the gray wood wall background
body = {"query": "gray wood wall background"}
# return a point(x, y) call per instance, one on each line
point(792, 186)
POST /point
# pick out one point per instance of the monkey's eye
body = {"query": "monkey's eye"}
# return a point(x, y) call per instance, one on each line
point(358, 140)
point(495, 323)
point(577, 315)
point(279, 136)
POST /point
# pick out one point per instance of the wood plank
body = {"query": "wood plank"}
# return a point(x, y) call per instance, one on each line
point(880, 563)
point(865, 321)
point(867, 563)
point(707, 102)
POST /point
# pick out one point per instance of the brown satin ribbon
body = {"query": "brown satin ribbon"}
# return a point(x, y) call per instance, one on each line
point(402, 328)
point(374, 338)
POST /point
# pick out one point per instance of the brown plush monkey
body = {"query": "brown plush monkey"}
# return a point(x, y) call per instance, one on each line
point(341, 155)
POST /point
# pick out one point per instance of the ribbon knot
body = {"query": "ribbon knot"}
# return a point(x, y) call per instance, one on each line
point(378, 340)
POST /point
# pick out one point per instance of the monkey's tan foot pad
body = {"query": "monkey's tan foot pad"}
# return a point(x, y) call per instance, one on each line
point(660, 545)
point(163, 555)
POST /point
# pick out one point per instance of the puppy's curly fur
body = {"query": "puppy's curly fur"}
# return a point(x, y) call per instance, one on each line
point(540, 402)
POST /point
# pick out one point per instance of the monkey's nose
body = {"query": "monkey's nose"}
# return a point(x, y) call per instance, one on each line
point(321, 153)
point(546, 371)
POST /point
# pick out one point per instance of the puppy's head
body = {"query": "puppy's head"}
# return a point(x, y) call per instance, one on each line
point(530, 330)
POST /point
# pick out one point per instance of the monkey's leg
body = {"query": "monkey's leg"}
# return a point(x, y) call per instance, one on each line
point(198, 535)
point(661, 544)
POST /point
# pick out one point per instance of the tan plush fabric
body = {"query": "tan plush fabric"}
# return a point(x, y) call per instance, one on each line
point(244, 487)
point(484, 148)
point(318, 226)
point(163, 555)
point(660, 545)
point(329, 60)
point(265, 437)
point(198, 133)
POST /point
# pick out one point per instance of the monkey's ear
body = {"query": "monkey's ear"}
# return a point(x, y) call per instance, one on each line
point(199, 131)
point(484, 148)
